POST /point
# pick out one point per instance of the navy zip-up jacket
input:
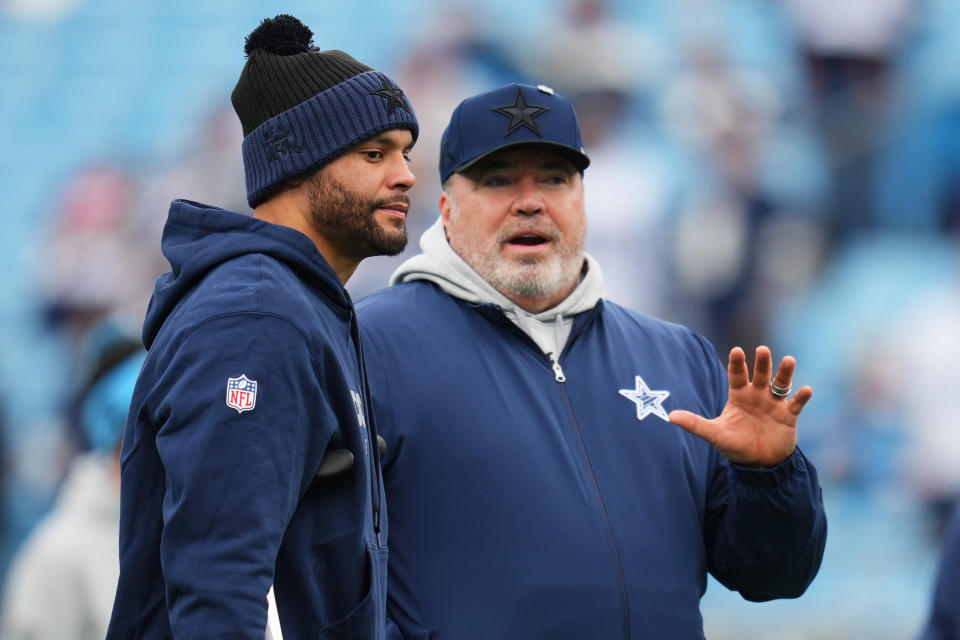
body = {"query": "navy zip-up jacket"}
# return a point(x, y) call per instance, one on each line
point(537, 501)
point(254, 370)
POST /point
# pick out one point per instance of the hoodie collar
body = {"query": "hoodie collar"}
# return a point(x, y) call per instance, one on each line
point(197, 238)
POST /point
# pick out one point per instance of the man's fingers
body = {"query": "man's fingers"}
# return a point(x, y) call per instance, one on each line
point(691, 422)
point(762, 367)
point(737, 368)
point(784, 377)
point(799, 399)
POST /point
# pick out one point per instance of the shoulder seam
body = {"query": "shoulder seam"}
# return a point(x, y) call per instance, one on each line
point(266, 314)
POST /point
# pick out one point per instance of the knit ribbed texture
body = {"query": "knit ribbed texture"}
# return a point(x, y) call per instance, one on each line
point(318, 129)
point(271, 83)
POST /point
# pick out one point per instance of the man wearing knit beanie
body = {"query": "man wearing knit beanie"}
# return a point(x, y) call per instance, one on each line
point(250, 465)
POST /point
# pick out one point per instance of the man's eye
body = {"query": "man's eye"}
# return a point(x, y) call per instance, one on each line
point(373, 155)
point(496, 181)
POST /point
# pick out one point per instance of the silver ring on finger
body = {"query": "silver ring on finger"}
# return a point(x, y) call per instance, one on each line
point(779, 392)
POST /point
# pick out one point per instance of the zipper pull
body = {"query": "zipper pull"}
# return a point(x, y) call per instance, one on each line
point(557, 370)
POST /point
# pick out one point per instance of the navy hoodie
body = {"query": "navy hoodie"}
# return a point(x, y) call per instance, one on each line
point(254, 371)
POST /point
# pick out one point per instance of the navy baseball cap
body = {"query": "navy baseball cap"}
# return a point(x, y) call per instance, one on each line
point(509, 116)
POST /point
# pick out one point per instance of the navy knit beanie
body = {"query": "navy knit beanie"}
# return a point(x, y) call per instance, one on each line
point(301, 107)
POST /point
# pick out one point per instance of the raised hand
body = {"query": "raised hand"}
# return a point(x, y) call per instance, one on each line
point(758, 426)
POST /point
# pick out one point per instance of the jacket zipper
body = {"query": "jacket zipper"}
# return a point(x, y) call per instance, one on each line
point(560, 377)
point(374, 449)
point(558, 374)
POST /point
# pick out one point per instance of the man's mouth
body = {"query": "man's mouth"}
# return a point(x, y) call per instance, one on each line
point(396, 208)
point(527, 239)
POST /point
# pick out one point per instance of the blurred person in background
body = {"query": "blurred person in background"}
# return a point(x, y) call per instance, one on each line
point(728, 220)
point(849, 51)
point(255, 371)
point(534, 488)
point(922, 337)
point(92, 265)
point(62, 581)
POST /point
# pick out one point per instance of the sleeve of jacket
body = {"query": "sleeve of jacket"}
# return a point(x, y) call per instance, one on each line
point(233, 479)
point(944, 616)
point(765, 529)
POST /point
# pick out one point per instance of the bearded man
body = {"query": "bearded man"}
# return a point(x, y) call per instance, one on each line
point(537, 488)
point(254, 369)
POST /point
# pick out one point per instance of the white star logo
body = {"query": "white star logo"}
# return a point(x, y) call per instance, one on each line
point(648, 401)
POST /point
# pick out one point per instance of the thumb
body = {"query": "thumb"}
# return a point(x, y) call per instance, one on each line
point(691, 422)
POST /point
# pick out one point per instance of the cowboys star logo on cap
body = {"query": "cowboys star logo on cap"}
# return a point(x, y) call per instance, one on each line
point(521, 114)
point(509, 117)
point(647, 400)
point(241, 393)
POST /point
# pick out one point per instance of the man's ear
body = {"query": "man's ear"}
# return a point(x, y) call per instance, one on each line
point(444, 208)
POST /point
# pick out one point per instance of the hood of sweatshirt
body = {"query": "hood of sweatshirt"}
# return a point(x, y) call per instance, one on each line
point(440, 264)
point(197, 238)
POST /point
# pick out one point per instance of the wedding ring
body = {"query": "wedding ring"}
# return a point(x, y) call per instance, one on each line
point(779, 392)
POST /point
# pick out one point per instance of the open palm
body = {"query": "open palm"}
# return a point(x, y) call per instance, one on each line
point(756, 428)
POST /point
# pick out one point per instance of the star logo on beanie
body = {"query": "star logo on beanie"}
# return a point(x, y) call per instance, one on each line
point(394, 97)
point(521, 114)
point(279, 140)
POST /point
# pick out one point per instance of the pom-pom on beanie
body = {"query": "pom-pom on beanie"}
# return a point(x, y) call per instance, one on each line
point(301, 107)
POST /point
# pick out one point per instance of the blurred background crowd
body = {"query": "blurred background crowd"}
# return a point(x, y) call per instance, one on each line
point(781, 172)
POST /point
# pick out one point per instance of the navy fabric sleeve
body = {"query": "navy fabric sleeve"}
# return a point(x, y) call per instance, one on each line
point(769, 528)
point(944, 620)
point(233, 479)
point(765, 529)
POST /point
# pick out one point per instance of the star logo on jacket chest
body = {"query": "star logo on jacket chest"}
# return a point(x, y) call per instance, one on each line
point(647, 400)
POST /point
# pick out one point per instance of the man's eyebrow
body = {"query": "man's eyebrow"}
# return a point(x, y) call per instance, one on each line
point(491, 165)
point(546, 164)
point(488, 166)
point(556, 163)
point(386, 141)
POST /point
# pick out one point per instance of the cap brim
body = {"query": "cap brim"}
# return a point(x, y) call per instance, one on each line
point(577, 157)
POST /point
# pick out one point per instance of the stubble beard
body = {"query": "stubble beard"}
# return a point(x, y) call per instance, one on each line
point(341, 214)
point(530, 276)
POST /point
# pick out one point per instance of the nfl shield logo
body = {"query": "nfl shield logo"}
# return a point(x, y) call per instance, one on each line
point(241, 393)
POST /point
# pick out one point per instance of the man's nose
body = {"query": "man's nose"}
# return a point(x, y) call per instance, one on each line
point(529, 199)
point(401, 176)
